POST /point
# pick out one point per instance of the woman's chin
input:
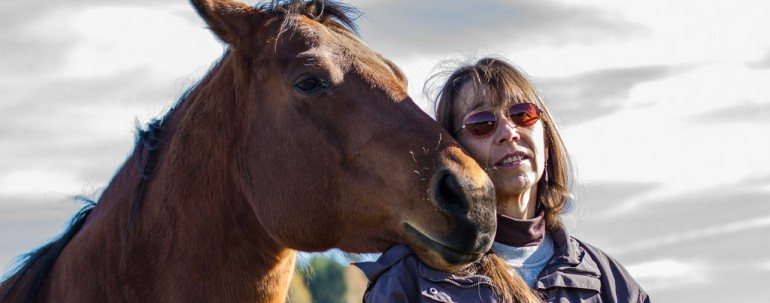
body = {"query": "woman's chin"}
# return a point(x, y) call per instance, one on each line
point(513, 185)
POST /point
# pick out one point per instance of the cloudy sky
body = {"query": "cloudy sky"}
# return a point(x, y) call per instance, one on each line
point(664, 105)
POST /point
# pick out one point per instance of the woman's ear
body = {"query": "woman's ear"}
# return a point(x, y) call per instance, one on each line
point(230, 21)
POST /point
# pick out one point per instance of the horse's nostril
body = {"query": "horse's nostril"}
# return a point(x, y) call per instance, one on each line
point(449, 195)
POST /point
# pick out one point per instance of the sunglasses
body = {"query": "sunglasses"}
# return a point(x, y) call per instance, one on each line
point(484, 122)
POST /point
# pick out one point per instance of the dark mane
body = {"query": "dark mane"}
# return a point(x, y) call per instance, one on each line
point(325, 12)
point(40, 261)
point(147, 142)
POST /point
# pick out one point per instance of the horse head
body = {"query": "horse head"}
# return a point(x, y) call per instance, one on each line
point(330, 151)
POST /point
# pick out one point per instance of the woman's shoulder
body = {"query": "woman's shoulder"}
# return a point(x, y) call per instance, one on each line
point(391, 276)
point(614, 282)
point(607, 265)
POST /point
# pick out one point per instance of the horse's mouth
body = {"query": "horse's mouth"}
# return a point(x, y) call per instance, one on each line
point(450, 255)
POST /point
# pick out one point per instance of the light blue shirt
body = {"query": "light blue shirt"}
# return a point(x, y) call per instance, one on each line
point(528, 261)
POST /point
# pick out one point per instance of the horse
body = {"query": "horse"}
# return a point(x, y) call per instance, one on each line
point(299, 138)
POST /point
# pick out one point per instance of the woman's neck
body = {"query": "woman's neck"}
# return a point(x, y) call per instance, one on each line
point(521, 205)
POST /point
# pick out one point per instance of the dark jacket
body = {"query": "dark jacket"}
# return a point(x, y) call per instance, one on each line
point(399, 276)
point(577, 272)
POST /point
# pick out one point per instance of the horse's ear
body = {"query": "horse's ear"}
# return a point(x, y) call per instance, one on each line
point(229, 20)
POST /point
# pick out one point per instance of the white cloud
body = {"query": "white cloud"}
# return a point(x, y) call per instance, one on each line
point(417, 70)
point(659, 268)
point(641, 146)
point(705, 88)
point(664, 274)
point(695, 234)
point(40, 182)
point(764, 266)
point(62, 125)
point(433, 27)
point(79, 140)
point(658, 139)
point(114, 39)
point(681, 32)
point(691, 30)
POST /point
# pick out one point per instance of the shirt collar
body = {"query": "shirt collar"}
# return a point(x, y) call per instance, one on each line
point(520, 232)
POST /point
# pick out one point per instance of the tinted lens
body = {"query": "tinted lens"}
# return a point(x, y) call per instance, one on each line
point(481, 123)
point(524, 114)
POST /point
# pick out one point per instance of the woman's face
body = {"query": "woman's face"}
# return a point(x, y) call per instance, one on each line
point(512, 155)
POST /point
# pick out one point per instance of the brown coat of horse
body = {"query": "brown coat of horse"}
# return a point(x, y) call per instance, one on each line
point(300, 138)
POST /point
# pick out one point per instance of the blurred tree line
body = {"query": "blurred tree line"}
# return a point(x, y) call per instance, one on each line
point(325, 280)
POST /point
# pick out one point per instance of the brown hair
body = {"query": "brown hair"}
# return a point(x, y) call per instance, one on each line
point(502, 83)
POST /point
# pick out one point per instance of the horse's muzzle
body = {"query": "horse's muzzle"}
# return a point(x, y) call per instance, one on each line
point(469, 204)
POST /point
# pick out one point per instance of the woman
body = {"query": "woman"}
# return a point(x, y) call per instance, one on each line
point(496, 114)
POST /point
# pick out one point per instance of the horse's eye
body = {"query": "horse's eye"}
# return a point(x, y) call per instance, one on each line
point(310, 85)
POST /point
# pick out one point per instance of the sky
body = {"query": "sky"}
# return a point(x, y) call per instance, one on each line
point(663, 105)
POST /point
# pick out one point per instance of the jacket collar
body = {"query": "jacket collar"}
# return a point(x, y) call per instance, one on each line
point(566, 249)
point(570, 266)
point(372, 270)
point(389, 258)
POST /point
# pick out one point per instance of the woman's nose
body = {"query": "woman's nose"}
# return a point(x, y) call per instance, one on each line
point(507, 131)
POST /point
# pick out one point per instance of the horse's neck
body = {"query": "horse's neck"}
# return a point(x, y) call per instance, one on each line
point(216, 241)
point(194, 236)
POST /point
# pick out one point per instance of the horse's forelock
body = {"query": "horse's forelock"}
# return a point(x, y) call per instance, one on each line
point(329, 13)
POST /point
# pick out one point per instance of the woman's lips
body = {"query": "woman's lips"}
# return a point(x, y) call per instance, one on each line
point(512, 160)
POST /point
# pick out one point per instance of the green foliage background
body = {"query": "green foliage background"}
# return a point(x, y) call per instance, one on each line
point(325, 280)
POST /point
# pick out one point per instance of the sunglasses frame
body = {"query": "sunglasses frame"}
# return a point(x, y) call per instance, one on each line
point(507, 114)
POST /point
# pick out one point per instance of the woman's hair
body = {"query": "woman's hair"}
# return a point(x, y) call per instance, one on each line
point(501, 83)
point(508, 287)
